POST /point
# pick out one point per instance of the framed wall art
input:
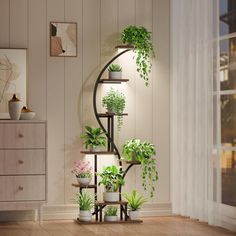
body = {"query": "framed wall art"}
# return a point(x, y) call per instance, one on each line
point(63, 39)
point(12, 77)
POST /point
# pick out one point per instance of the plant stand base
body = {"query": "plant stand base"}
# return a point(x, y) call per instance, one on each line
point(93, 222)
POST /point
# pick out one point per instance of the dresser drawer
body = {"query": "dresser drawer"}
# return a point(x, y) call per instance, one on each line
point(22, 188)
point(15, 162)
point(30, 135)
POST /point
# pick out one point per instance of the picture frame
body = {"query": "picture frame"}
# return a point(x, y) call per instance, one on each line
point(13, 76)
point(63, 39)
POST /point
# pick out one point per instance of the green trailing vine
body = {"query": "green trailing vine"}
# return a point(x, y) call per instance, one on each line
point(140, 38)
point(135, 150)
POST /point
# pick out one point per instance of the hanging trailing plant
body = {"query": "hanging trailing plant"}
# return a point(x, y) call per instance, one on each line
point(135, 150)
point(140, 38)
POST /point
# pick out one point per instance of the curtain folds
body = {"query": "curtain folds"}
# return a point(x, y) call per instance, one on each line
point(191, 106)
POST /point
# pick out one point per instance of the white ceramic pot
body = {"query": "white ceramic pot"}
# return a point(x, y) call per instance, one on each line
point(134, 215)
point(111, 196)
point(14, 107)
point(85, 215)
point(110, 218)
point(115, 74)
point(84, 181)
point(27, 115)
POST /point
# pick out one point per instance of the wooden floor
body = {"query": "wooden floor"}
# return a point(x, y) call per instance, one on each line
point(163, 226)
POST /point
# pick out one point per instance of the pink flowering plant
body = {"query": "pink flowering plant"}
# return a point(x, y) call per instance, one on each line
point(82, 169)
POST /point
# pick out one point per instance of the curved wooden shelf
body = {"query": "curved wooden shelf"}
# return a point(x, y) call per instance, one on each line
point(124, 46)
point(84, 186)
point(107, 222)
point(98, 152)
point(133, 162)
point(110, 114)
point(113, 81)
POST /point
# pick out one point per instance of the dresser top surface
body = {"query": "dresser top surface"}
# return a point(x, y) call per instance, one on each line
point(8, 121)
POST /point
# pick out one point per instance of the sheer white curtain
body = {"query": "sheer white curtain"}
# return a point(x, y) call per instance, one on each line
point(191, 86)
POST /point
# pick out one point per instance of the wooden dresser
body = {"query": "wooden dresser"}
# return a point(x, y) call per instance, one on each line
point(23, 165)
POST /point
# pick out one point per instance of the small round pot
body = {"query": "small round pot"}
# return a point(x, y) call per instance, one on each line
point(134, 215)
point(93, 149)
point(85, 215)
point(110, 218)
point(111, 196)
point(84, 181)
point(115, 74)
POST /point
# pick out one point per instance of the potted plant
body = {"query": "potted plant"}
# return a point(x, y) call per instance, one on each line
point(111, 213)
point(143, 152)
point(135, 201)
point(115, 71)
point(114, 102)
point(112, 179)
point(93, 138)
point(140, 38)
point(83, 172)
point(86, 203)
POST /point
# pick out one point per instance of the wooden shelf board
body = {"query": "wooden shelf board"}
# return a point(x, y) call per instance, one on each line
point(113, 81)
point(111, 203)
point(107, 222)
point(124, 46)
point(84, 186)
point(133, 162)
point(110, 114)
point(98, 152)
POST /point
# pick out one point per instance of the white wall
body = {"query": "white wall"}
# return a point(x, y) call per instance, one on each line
point(60, 89)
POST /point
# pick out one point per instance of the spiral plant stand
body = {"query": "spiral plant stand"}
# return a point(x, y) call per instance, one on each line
point(111, 148)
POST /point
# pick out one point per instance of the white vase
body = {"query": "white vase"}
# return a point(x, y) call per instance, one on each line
point(84, 181)
point(14, 107)
point(115, 74)
point(85, 215)
point(110, 218)
point(111, 196)
point(134, 215)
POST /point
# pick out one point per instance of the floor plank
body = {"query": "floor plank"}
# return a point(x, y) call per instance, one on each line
point(153, 226)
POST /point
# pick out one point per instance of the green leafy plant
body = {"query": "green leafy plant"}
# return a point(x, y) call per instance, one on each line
point(93, 137)
point(135, 200)
point(111, 178)
point(114, 101)
point(111, 211)
point(140, 38)
point(143, 152)
point(84, 200)
point(115, 68)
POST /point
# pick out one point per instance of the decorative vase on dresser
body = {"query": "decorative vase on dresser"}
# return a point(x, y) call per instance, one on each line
point(23, 165)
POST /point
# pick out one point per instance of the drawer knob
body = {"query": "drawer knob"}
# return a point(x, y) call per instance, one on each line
point(21, 162)
point(20, 188)
point(20, 135)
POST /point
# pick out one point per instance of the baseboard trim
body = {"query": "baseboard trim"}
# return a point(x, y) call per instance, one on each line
point(69, 212)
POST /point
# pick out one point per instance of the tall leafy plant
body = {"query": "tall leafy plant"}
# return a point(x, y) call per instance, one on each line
point(84, 200)
point(140, 38)
point(114, 101)
point(93, 137)
point(111, 178)
point(143, 152)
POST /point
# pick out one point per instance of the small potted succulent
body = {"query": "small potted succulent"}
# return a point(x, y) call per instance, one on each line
point(83, 172)
point(93, 138)
point(112, 179)
point(114, 102)
point(143, 152)
point(86, 203)
point(115, 71)
point(135, 201)
point(140, 38)
point(111, 214)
